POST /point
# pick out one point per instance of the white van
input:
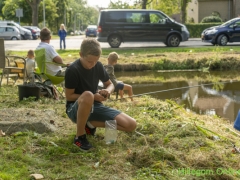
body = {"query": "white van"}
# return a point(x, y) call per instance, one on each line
point(10, 33)
point(25, 33)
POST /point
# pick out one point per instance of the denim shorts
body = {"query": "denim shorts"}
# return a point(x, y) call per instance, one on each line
point(99, 112)
point(119, 86)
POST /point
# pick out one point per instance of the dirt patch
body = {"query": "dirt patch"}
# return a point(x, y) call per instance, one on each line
point(26, 119)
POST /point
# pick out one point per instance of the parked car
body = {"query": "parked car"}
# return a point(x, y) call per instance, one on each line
point(221, 35)
point(25, 33)
point(137, 25)
point(34, 30)
point(91, 31)
point(10, 33)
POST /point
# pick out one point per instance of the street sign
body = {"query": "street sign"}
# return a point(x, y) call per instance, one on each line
point(19, 13)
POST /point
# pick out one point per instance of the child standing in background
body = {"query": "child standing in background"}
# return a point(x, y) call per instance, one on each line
point(62, 33)
point(30, 66)
point(119, 85)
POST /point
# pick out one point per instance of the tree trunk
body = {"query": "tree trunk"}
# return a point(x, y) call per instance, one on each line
point(144, 4)
point(34, 5)
point(184, 9)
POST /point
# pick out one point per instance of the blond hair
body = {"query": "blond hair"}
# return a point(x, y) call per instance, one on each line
point(62, 26)
point(113, 57)
point(90, 46)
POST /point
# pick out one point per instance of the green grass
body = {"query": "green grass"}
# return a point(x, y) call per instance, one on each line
point(204, 58)
point(148, 50)
point(167, 139)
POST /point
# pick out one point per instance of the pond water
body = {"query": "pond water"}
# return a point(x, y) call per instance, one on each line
point(211, 93)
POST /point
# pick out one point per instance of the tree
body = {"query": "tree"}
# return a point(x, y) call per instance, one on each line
point(184, 4)
point(169, 7)
point(34, 5)
point(145, 3)
point(61, 7)
point(119, 5)
point(172, 7)
point(1, 7)
point(9, 10)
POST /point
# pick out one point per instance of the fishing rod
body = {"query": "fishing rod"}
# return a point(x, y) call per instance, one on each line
point(166, 90)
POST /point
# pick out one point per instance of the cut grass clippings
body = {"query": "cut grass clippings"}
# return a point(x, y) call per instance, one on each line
point(169, 143)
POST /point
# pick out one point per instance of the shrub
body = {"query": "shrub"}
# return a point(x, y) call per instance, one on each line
point(195, 30)
point(210, 19)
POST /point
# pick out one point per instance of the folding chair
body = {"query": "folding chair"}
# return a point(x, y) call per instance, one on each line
point(12, 66)
point(40, 58)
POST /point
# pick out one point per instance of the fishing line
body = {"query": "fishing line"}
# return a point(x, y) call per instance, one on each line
point(166, 90)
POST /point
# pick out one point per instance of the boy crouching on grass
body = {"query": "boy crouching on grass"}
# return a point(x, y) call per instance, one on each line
point(83, 99)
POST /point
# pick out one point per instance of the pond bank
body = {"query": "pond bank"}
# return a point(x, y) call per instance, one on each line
point(223, 62)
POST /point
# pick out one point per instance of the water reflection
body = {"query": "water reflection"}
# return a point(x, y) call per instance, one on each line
point(203, 97)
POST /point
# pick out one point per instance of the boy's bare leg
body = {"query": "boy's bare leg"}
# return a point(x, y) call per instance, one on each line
point(121, 93)
point(128, 88)
point(85, 102)
point(124, 123)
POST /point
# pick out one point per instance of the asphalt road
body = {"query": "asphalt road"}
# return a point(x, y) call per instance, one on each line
point(73, 42)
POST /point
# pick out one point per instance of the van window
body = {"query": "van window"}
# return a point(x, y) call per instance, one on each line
point(157, 18)
point(127, 17)
point(115, 17)
point(140, 17)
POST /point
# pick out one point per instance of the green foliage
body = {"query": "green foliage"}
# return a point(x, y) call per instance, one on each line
point(76, 11)
point(166, 138)
point(119, 5)
point(195, 30)
point(211, 19)
point(167, 6)
point(9, 10)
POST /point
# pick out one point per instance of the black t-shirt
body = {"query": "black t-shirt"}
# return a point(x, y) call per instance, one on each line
point(81, 79)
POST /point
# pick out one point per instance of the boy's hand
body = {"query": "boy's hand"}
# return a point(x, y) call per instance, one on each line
point(98, 97)
point(104, 92)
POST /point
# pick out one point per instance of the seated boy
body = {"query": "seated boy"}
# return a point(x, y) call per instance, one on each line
point(119, 85)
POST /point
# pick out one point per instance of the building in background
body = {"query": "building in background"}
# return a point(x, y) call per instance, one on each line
point(198, 9)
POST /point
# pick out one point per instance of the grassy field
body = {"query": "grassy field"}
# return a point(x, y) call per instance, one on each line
point(212, 58)
point(169, 143)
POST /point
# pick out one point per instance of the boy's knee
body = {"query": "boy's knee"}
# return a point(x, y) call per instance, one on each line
point(86, 97)
point(132, 126)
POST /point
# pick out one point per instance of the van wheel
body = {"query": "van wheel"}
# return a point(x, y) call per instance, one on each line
point(173, 41)
point(114, 41)
point(222, 40)
point(14, 38)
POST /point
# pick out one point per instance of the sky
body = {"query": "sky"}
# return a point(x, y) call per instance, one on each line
point(100, 3)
